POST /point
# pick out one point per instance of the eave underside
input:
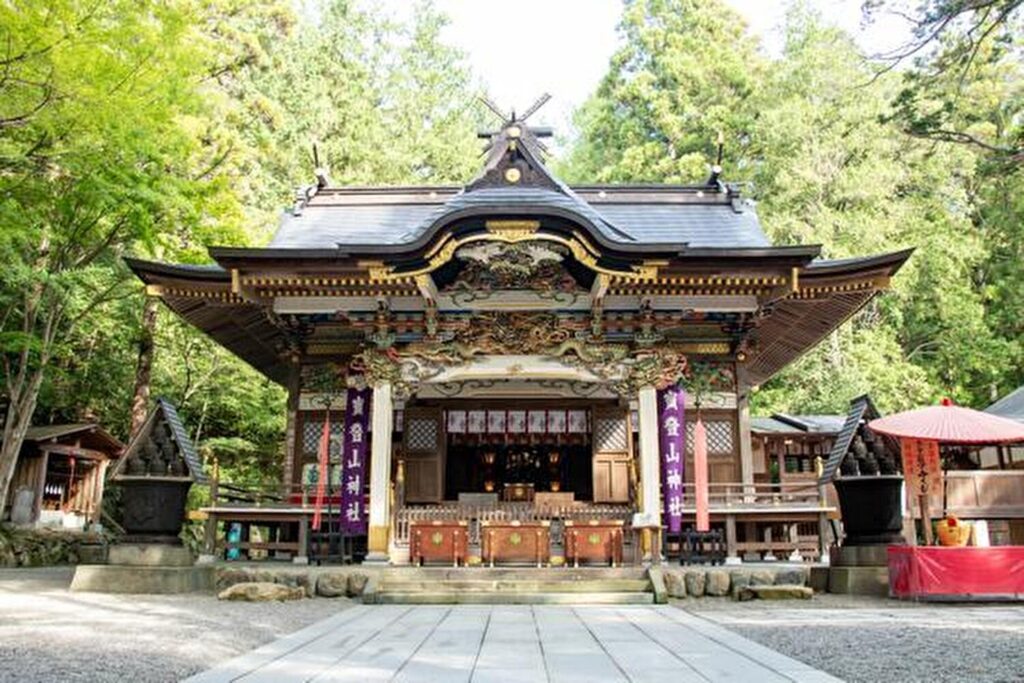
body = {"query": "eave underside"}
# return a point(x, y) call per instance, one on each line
point(241, 327)
point(826, 295)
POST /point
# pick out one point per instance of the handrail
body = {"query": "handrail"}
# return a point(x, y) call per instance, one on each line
point(720, 495)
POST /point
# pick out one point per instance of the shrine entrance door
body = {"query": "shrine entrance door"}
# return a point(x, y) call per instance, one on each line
point(612, 459)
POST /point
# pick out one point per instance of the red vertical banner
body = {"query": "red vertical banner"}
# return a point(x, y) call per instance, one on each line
point(700, 474)
point(321, 479)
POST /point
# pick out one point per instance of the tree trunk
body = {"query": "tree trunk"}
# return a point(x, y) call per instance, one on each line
point(144, 368)
point(19, 417)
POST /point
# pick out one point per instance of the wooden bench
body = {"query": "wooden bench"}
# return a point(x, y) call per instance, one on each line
point(516, 541)
point(438, 541)
point(598, 541)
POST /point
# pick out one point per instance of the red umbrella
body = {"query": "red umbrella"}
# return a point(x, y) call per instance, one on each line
point(948, 423)
point(922, 430)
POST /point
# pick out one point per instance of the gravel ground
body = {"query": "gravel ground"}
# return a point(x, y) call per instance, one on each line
point(50, 634)
point(876, 639)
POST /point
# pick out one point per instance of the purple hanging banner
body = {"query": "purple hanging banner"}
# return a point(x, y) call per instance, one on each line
point(353, 460)
point(672, 437)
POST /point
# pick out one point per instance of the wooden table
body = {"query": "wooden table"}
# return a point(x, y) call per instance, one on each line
point(516, 541)
point(273, 517)
point(438, 541)
point(594, 541)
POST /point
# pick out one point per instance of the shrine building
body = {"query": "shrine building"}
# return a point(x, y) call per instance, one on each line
point(507, 342)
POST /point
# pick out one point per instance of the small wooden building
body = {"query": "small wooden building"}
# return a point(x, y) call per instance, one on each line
point(786, 446)
point(58, 480)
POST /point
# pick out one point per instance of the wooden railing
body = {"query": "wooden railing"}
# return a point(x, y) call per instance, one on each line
point(989, 494)
point(736, 495)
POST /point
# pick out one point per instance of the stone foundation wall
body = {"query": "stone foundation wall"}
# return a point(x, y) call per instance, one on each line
point(699, 582)
point(46, 547)
point(324, 582)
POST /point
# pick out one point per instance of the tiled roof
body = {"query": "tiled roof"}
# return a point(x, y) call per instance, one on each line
point(327, 222)
point(1010, 406)
point(797, 424)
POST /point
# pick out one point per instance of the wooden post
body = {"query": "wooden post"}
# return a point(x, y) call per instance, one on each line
point(101, 483)
point(41, 484)
point(650, 466)
point(731, 553)
point(210, 526)
point(302, 557)
point(824, 556)
point(292, 470)
point(746, 446)
point(215, 483)
point(381, 412)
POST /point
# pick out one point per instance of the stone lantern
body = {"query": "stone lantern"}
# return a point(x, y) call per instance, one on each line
point(155, 474)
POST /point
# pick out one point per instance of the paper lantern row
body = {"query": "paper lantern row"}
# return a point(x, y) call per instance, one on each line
point(517, 422)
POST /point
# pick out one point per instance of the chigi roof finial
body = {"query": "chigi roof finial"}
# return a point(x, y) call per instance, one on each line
point(510, 121)
point(716, 169)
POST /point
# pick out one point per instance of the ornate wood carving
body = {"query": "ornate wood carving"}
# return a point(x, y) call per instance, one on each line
point(623, 367)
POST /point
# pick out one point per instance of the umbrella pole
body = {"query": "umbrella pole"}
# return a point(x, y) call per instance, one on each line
point(926, 518)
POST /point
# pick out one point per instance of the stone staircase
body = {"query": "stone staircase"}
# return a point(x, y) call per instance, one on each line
point(511, 586)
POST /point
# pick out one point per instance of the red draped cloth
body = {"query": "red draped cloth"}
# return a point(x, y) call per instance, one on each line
point(700, 474)
point(322, 472)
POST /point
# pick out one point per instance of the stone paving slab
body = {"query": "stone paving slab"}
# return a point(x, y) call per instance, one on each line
point(522, 643)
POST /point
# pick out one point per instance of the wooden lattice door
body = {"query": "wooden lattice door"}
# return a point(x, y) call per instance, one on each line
point(424, 452)
point(613, 448)
point(723, 450)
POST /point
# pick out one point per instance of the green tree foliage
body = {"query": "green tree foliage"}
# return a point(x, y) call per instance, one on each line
point(950, 40)
point(160, 129)
point(812, 132)
point(93, 159)
point(684, 73)
point(385, 103)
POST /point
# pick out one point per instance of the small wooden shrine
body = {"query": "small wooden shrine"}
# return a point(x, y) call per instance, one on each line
point(60, 474)
point(512, 335)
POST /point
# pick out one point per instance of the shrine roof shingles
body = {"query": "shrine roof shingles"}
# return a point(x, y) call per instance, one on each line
point(1010, 406)
point(797, 424)
point(635, 216)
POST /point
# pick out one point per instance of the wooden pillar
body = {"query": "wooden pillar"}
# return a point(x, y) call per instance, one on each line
point(302, 556)
point(209, 553)
point(746, 447)
point(101, 480)
point(381, 418)
point(731, 553)
point(44, 463)
point(769, 555)
point(650, 494)
point(292, 452)
point(823, 546)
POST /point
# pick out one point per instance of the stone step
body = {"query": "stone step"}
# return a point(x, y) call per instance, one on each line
point(514, 598)
point(512, 573)
point(521, 585)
